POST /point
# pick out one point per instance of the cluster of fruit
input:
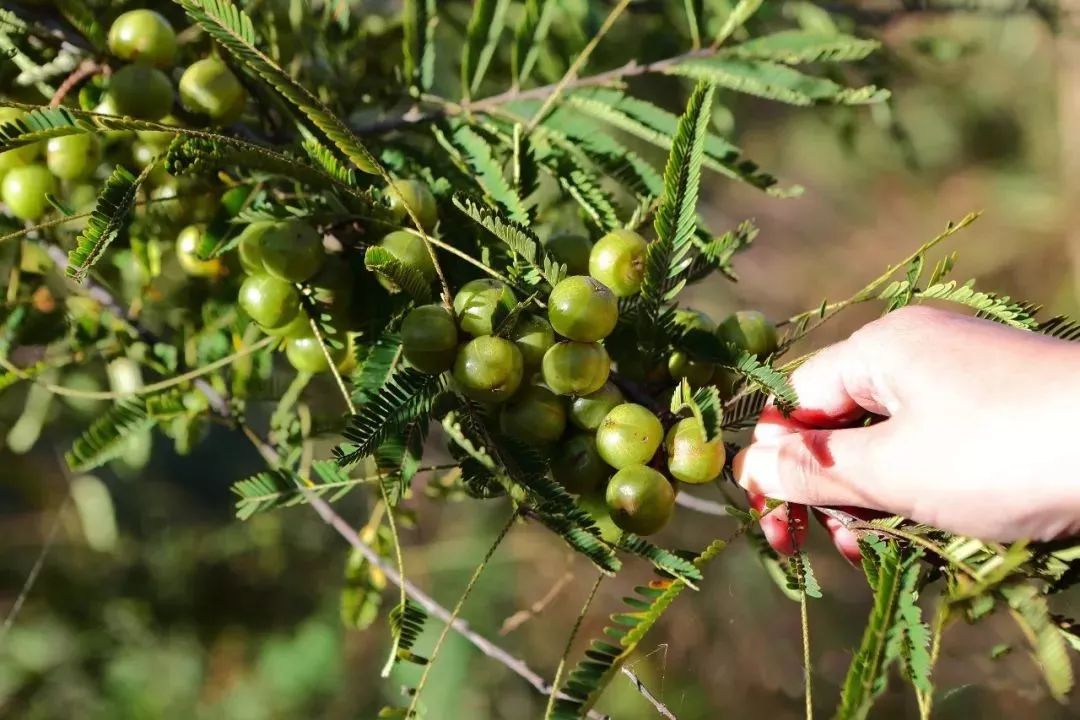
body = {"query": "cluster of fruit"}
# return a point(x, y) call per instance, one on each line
point(210, 94)
point(551, 381)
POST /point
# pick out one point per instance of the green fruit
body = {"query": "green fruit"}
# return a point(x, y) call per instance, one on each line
point(292, 250)
point(697, 372)
point(691, 459)
point(534, 337)
point(570, 250)
point(618, 261)
point(187, 252)
point(107, 106)
point(73, 157)
point(725, 380)
point(410, 250)
point(573, 368)
point(144, 155)
point(488, 369)
point(298, 327)
point(306, 355)
point(629, 435)
point(694, 320)
point(20, 156)
point(587, 411)
point(417, 197)
point(596, 506)
point(751, 331)
point(24, 190)
point(270, 302)
point(535, 415)
point(640, 499)
point(481, 305)
point(577, 465)
point(208, 87)
point(249, 246)
point(583, 309)
point(141, 92)
point(143, 36)
point(429, 339)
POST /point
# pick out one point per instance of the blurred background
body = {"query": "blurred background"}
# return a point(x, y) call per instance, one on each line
point(152, 601)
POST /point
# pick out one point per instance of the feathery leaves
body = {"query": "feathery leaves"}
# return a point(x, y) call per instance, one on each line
point(106, 437)
point(775, 81)
point(794, 47)
point(520, 240)
point(404, 277)
point(111, 214)
point(281, 488)
point(406, 396)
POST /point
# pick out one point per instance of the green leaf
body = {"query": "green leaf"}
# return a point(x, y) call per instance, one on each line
point(281, 488)
point(418, 20)
point(111, 214)
point(995, 307)
point(361, 595)
point(519, 239)
point(736, 19)
point(376, 366)
point(1061, 327)
point(1048, 646)
point(775, 82)
point(106, 437)
point(232, 27)
point(406, 624)
point(799, 46)
point(529, 37)
point(581, 184)
point(405, 277)
point(406, 397)
point(476, 158)
point(604, 658)
point(84, 19)
point(38, 125)
point(893, 575)
point(667, 257)
point(704, 404)
point(657, 126)
point(664, 560)
point(481, 37)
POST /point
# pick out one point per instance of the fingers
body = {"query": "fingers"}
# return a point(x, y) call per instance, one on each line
point(824, 467)
point(785, 527)
point(845, 541)
point(836, 386)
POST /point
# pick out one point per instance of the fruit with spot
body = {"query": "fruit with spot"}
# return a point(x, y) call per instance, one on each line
point(269, 301)
point(630, 434)
point(481, 305)
point(618, 261)
point(640, 499)
point(582, 308)
point(488, 369)
point(574, 368)
point(535, 415)
point(690, 458)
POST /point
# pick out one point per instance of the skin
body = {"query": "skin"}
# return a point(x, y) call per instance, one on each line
point(947, 386)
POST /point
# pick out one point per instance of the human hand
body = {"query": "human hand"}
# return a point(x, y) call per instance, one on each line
point(978, 436)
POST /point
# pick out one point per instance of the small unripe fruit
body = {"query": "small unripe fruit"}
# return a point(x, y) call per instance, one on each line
point(582, 308)
point(488, 369)
point(481, 305)
point(73, 157)
point(24, 190)
point(640, 499)
point(249, 246)
point(691, 459)
point(298, 327)
point(306, 354)
point(573, 368)
point(570, 250)
point(535, 415)
point(292, 251)
point(411, 251)
point(208, 87)
point(618, 261)
point(187, 252)
point(577, 465)
point(417, 197)
point(20, 156)
point(588, 411)
point(596, 506)
point(751, 331)
point(534, 337)
point(143, 36)
point(141, 92)
point(269, 301)
point(429, 339)
point(697, 372)
point(629, 435)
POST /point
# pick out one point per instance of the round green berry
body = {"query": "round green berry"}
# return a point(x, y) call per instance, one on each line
point(306, 354)
point(535, 415)
point(618, 261)
point(690, 458)
point(534, 337)
point(573, 368)
point(187, 252)
point(587, 411)
point(640, 499)
point(416, 196)
point(570, 250)
point(481, 305)
point(24, 189)
point(751, 331)
point(577, 465)
point(582, 308)
point(143, 36)
point(292, 250)
point(142, 92)
point(249, 246)
point(269, 301)
point(410, 250)
point(73, 157)
point(208, 87)
point(429, 338)
point(488, 369)
point(629, 435)
point(20, 156)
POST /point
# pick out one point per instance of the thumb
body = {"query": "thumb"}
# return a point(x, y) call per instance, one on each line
point(823, 468)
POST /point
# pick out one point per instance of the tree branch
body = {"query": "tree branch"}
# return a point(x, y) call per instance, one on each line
point(647, 694)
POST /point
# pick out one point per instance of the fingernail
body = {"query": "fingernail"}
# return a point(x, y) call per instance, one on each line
point(755, 469)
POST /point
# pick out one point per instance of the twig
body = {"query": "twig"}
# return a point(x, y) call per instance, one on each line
point(87, 68)
point(570, 644)
point(39, 563)
point(521, 617)
point(701, 505)
point(647, 694)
